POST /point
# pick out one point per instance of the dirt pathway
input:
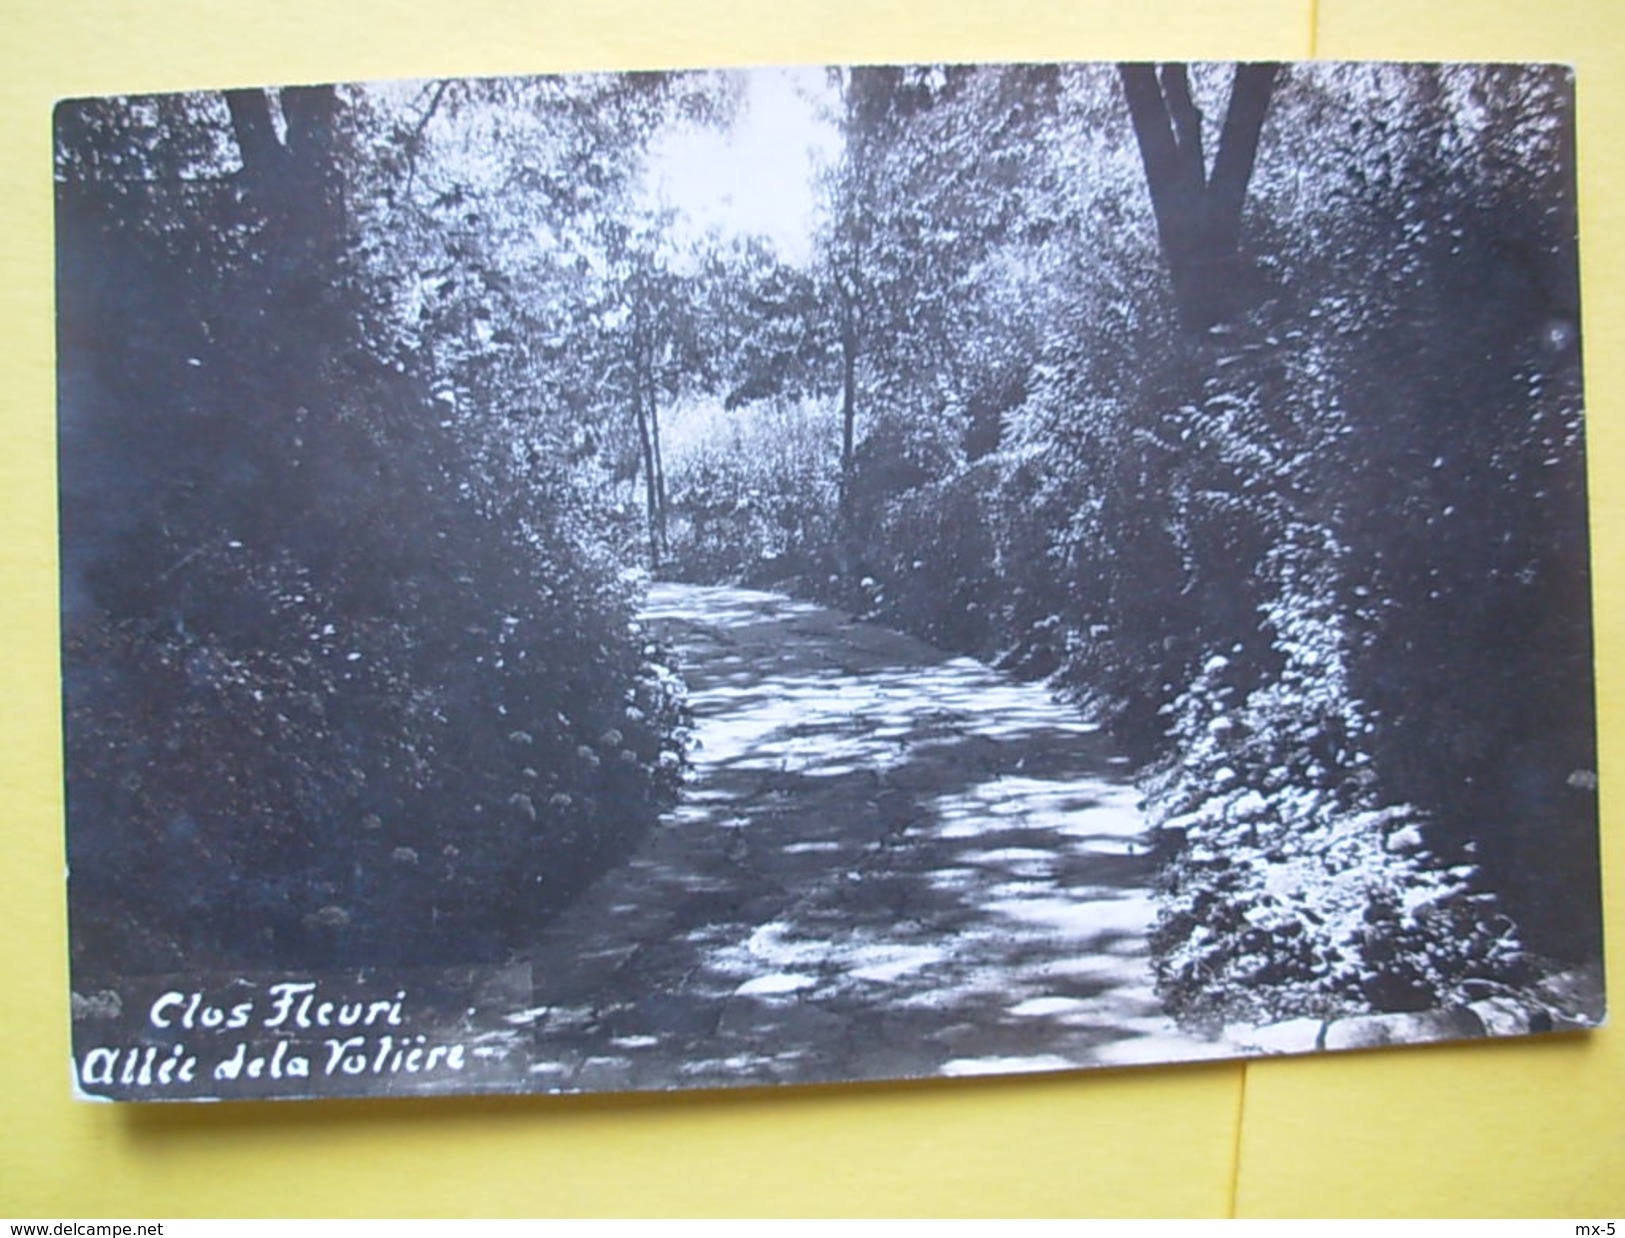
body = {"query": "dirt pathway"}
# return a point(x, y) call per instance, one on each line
point(888, 863)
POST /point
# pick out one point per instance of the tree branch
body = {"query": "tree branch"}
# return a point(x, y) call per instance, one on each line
point(309, 111)
point(1187, 122)
point(414, 139)
point(262, 155)
point(1238, 150)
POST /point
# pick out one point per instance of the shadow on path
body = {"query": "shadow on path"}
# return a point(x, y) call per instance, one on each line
point(888, 863)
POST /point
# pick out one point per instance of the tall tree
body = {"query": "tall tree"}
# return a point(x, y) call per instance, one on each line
point(1198, 214)
point(865, 94)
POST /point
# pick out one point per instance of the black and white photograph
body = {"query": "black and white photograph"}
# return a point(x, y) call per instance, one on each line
point(695, 579)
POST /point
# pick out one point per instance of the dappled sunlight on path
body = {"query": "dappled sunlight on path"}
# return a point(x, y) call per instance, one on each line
point(888, 862)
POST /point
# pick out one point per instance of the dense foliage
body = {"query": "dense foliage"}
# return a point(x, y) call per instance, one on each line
point(341, 689)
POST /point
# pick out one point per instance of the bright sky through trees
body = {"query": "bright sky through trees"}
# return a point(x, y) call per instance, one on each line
point(758, 175)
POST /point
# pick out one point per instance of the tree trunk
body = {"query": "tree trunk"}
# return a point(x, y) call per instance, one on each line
point(263, 154)
point(849, 404)
point(292, 179)
point(651, 394)
point(866, 95)
point(286, 313)
point(641, 413)
point(1198, 216)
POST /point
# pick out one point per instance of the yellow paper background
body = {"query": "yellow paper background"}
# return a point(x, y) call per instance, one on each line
point(1512, 1128)
point(1535, 1128)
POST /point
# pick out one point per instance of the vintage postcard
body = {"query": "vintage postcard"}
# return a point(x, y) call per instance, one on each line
point(798, 575)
